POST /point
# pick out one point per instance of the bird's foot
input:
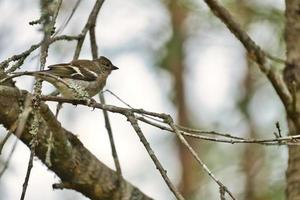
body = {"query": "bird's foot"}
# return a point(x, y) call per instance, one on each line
point(91, 103)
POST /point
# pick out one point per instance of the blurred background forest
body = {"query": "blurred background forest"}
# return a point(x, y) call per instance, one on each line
point(174, 57)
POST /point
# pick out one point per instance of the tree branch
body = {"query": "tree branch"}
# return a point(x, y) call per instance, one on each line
point(70, 160)
point(255, 52)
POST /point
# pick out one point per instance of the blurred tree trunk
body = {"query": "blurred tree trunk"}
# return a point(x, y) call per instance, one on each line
point(292, 78)
point(252, 157)
point(174, 62)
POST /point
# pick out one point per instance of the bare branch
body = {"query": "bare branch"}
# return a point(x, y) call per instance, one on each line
point(191, 130)
point(131, 118)
point(63, 26)
point(111, 139)
point(169, 120)
point(71, 161)
point(255, 52)
point(289, 140)
point(90, 23)
point(94, 50)
point(2, 143)
point(29, 167)
point(6, 164)
point(22, 56)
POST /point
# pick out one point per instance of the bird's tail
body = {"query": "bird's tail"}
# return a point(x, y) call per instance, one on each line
point(17, 74)
point(39, 74)
point(54, 80)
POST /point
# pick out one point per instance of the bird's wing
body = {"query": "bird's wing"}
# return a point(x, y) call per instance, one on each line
point(73, 70)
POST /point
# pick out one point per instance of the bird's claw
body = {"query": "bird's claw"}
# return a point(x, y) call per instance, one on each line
point(92, 103)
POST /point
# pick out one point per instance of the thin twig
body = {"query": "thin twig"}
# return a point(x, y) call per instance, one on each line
point(48, 27)
point(66, 22)
point(94, 50)
point(255, 52)
point(34, 129)
point(2, 143)
point(191, 130)
point(64, 37)
point(93, 42)
point(111, 139)
point(276, 141)
point(58, 108)
point(29, 167)
point(37, 74)
point(90, 22)
point(289, 140)
point(22, 56)
point(129, 106)
point(278, 128)
point(6, 164)
point(162, 127)
point(169, 120)
point(276, 59)
point(134, 123)
point(111, 108)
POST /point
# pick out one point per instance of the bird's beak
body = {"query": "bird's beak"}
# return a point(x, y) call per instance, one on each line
point(114, 67)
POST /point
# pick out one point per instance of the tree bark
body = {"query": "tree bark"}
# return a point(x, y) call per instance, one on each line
point(77, 168)
point(292, 79)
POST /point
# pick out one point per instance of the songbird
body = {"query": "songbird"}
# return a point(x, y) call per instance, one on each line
point(79, 78)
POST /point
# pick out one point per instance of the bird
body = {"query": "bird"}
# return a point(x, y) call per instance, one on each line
point(78, 78)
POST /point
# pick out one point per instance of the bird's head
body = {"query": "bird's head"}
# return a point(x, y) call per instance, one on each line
point(105, 65)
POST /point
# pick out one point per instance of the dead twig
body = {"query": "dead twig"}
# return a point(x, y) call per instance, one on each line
point(255, 52)
point(6, 164)
point(2, 143)
point(134, 123)
point(90, 22)
point(169, 121)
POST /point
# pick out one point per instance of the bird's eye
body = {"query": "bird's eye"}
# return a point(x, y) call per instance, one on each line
point(106, 65)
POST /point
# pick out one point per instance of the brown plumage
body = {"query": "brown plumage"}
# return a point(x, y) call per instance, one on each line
point(86, 76)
